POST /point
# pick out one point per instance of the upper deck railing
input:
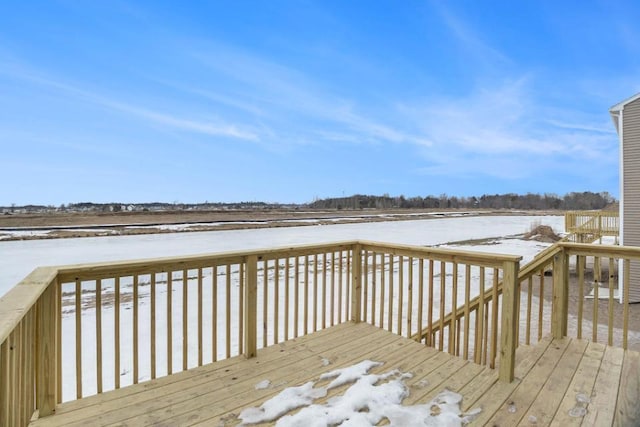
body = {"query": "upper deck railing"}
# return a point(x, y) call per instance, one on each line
point(72, 331)
point(589, 226)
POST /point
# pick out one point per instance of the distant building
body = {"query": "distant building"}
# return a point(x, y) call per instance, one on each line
point(626, 118)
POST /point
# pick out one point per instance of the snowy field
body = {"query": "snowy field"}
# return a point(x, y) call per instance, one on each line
point(19, 258)
point(7, 233)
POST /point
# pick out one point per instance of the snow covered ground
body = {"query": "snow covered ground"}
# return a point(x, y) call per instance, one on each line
point(117, 229)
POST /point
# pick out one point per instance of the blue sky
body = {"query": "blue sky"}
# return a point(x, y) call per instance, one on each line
point(292, 100)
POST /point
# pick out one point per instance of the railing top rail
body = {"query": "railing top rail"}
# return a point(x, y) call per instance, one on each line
point(453, 255)
point(594, 213)
point(149, 265)
point(601, 250)
point(22, 297)
point(104, 269)
point(540, 261)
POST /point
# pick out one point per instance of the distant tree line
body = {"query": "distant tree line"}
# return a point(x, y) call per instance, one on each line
point(570, 201)
point(144, 207)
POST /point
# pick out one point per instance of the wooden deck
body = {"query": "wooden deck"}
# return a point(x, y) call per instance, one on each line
point(549, 377)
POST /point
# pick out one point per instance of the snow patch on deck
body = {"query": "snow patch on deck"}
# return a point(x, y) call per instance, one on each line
point(369, 399)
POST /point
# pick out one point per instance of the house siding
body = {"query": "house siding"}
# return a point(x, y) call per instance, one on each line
point(631, 188)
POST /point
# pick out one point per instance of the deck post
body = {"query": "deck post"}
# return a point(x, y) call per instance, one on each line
point(251, 307)
point(560, 303)
point(356, 283)
point(46, 364)
point(508, 331)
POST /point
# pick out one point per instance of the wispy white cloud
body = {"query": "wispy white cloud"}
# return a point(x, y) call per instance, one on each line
point(172, 120)
point(503, 132)
point(203, 127)
point(587, 127)
point(285, 93)
point(470, 40)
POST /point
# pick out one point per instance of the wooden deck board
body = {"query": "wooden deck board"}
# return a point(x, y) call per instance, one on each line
point(527, 357)
point(548, 400)
point(271, 357)
point(229, 388)
point(499, 400)
point(601, 409)
point(548, 377)
point(393, 358)
point(342, 333)
point(628, 411)
point(582, 384)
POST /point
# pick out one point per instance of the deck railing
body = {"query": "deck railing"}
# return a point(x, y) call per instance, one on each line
point(584, 283)
point(589, 226)
point(570, 289)
point(72, 331)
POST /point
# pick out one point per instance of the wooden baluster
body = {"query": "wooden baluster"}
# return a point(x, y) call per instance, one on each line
point(241, 280)
point(340, 307)
point(365, 285)
point(99, 335)
point(480, 322)
point(169, 322)
point(356, 284)
point(443, 275)
point(286, 298)
point(199, 272)
point(467, 314)
point(529, 303)
point(494, 319)
point(265, 302)
point(116, 347)
point(296, 298)
point(214, 313)
point(430, 307)
point(135, 329)
point(305, 296)
point(78, 307)
point(382, 290)
point(420, 297)
point(324, 291)
point(152, 351)
point(58, 352)
point(410, 297)
point(333, 287)
point(454, 310)
point(610, 307)
point(596, 297)
point(391, 290)
point(315, 293)
point(625, 303)
point(373, 287)
point(251, 306)
point(276, 298)
point(541, 303)
point(347, 290)
point(199, 316)
point(560, 295)
point(400, 293)
point(185, 319)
